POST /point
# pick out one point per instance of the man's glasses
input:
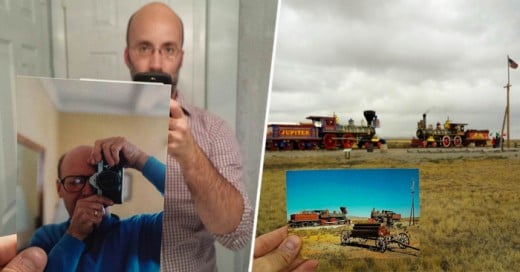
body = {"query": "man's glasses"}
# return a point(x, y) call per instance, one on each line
point(169, 51)
point(74, 184)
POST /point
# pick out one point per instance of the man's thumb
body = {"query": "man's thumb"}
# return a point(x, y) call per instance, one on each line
point(30, 259)
point(282, 257)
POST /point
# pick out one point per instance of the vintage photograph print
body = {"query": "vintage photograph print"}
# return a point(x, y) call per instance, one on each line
point(354, 213)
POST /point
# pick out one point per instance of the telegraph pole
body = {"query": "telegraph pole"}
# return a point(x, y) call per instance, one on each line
point(412, 211)
point(510, 64)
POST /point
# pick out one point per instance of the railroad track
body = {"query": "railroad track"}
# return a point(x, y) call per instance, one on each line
point(460, 150)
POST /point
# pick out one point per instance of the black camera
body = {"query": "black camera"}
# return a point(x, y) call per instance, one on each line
point(108, 181)
point(153, 77)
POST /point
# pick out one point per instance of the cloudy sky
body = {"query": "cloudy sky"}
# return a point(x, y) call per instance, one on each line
point(399, 58)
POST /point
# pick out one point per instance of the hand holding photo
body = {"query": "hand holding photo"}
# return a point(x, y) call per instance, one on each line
point(360, 213)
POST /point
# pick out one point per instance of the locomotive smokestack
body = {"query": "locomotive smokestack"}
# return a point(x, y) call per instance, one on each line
point(369, 115)
point(343, 210)
point(424, 119)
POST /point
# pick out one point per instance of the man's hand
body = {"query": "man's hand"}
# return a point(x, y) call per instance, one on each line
point(87, 214)
point(30, 259)
point(110, 148)
point(181, 144)
point(276, 251)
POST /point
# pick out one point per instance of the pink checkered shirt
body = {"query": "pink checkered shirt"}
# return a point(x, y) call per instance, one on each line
point(186, 243)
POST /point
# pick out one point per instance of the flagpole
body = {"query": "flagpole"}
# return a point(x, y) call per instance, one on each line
point(507, 107)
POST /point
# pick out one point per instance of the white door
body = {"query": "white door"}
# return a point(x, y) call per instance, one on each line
point(24, 49)
point(92, 41)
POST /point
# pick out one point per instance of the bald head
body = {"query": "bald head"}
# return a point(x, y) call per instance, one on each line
point(154, 11)
point(75, 158)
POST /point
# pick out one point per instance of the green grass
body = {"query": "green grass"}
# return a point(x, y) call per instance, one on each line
point(470, 213)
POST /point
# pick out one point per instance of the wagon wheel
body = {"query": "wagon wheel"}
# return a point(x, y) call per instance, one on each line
point(446, 141)
point(347, 143)
point(403, 240)
point(301, 145)
point(345, 237)
point(381, 244)
point(457, 141)
point(329, 142)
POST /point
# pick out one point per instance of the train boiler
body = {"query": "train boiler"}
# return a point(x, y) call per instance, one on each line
point(324, 132)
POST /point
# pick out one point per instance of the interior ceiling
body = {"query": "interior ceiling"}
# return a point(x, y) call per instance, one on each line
point(108, 97)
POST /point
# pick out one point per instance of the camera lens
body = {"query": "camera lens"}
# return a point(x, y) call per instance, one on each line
point(108, 181)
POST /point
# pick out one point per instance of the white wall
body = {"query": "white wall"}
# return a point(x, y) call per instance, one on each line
point(24, 49)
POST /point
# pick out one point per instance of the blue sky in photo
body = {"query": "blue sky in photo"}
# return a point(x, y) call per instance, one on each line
point(359, 190)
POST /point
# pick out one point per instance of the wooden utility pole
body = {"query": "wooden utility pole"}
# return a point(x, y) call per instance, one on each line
point(412, 211)
point(510, 64)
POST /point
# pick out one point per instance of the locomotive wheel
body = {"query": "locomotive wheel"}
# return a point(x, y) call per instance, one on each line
point(273, 145)
point(347, 143)
point(345, 237)
point(269, 146)
point(446, 141)
point(403, 240)
point(301, 145)
point(381, 244)
point(288, 145)
point(329, 142)
point(314, 145)
point(424, 144)
point(457, 141)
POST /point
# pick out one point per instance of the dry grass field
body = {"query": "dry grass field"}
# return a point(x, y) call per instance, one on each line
point(470, 209)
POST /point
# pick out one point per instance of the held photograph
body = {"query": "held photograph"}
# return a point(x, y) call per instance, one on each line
point(86, 164)
point(342, 214)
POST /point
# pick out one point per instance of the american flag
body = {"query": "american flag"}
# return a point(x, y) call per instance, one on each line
point(512, 63)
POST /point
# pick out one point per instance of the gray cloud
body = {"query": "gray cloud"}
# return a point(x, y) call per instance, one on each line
point(399, 58)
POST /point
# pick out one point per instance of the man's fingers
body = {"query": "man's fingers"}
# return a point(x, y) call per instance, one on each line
point(7, 248)
point(267, 242)
point(95, 156)
point(30, 259)
point(175, 110)
point(111, 152)
point(306, 266)
point(280, 258)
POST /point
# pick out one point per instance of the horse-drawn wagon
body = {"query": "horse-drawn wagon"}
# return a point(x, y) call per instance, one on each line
point(377, 232)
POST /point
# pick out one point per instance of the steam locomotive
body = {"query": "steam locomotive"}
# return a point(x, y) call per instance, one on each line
point(384, 216)
point(324, 132)
point(449, 135)
point(318, 218)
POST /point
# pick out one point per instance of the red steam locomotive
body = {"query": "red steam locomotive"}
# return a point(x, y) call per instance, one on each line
point(318, 218)
point(324, 132)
